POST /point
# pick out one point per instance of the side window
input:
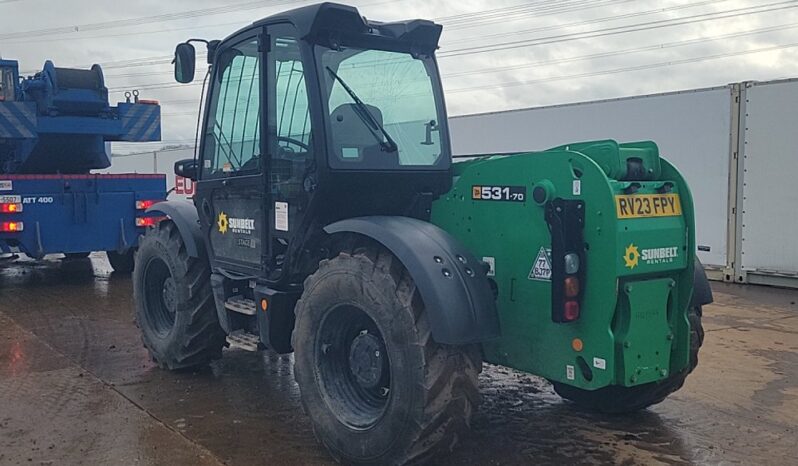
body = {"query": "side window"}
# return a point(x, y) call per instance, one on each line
point(232, 131)
point(6, 84)
point(291, 144)
point(293, 115)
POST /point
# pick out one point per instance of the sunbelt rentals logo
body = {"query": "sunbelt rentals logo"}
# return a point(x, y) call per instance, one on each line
point(633, 255)
point(222, 223)
point(236, 225)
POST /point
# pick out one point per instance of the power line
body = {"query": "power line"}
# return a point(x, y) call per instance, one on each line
point(647, 26)
point(605, 19)
point(663, 46)
point(496, 15)
point(229, 8)
point(551, 8)
point(667, 45)
point(624, 69)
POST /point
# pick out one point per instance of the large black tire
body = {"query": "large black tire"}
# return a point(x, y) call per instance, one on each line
point(620, 400)
point(76, 255)
point(405, 407)
point(174, 303)
point(122, 263)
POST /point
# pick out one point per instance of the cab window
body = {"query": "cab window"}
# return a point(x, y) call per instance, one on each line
point(232, 132)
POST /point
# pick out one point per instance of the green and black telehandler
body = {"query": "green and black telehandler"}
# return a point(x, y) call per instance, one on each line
point(330, 221)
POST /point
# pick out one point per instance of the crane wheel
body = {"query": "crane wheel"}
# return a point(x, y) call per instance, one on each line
point(175, 309)
point(619, 400)
point(122, 262)
point(378, 388)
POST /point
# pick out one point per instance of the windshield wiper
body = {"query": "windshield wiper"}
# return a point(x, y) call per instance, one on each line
point(388, 145)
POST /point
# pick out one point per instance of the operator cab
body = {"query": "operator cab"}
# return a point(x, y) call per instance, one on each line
point(8, 80)
point(313, 116)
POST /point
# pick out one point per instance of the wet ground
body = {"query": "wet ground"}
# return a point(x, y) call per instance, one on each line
point(76, 387)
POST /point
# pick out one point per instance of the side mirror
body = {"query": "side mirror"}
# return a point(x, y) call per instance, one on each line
point(185, 62)
point(187, 168)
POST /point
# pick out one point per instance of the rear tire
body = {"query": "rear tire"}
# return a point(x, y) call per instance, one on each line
point(378, 388)
point(175, 309)
point(618, 400)
point(122, 263)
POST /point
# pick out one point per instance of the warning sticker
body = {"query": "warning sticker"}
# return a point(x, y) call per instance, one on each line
point(541, 269)
point(281, 216)
point(6, 185)
point(599, 363)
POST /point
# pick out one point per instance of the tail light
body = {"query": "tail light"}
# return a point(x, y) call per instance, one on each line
point(11, 227)
point(566, 220)
point(571, 310)
point(571, 287)
point(145, 204)
point(143, 222)
point(10, 208)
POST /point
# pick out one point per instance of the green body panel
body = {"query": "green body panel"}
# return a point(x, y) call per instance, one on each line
point(633, 324)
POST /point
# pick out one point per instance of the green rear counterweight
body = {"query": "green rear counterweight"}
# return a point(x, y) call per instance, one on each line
point(636, 268)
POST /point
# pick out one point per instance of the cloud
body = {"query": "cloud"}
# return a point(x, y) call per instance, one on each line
point(486, 72)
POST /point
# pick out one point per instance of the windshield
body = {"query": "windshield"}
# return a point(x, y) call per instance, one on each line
point(384, 109)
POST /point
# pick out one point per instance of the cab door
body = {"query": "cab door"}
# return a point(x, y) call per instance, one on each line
point(291, 147)
point(231, 194)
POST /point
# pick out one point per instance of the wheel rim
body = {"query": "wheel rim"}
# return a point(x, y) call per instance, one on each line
point(160, 304)
point(353, 367)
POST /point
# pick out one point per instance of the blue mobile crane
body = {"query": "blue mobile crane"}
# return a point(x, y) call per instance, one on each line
point(54, 127)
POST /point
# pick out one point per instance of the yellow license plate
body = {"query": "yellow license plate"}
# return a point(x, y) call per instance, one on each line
point(647, 205)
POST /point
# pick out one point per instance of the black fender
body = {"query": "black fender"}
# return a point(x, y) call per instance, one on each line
point(702, 292)
point(185, 216)
point(453, 284)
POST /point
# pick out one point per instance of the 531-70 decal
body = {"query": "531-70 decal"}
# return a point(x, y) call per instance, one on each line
point(498, 193)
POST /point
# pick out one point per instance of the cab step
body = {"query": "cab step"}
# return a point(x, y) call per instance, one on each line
point(241, 305)
point(243, 340)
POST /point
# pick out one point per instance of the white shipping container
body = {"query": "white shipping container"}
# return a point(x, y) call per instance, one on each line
point(769, 217)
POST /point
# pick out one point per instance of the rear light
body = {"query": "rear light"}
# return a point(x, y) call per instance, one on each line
point(11, 227)
point(11, 208)
point(566, 221)
point(571, 263)
point(571, 287)
point(144, 205)
point(143, 222)
point(571, 311)
point(147, 102)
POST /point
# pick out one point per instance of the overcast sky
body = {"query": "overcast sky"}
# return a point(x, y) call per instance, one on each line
point(494, 55)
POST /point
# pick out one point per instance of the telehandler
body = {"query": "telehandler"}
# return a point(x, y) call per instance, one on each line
point(330, 221)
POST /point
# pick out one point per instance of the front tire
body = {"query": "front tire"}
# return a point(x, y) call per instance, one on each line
point(175, 309)
point(378, 388)
point(619, 400)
